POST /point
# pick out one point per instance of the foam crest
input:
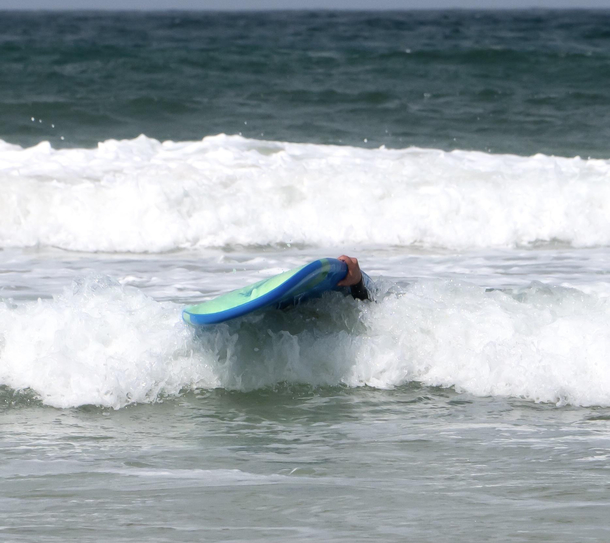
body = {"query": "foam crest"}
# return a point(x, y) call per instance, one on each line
point(541, 343)
point(105, 344)
point(98, 343)
point(145, 196)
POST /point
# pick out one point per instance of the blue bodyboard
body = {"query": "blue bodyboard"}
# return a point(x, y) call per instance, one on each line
point(288, 288)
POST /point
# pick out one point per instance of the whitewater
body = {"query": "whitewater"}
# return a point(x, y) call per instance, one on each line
point(110, 345)
point(142, 195)
point(491, 270)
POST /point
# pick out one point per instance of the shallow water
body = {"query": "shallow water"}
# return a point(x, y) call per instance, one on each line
point(295, 463)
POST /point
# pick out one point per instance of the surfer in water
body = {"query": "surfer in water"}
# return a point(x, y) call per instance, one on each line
point(357, 281)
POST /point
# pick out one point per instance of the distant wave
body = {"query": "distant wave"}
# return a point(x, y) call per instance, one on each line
point(145, 196)
point(105, 344)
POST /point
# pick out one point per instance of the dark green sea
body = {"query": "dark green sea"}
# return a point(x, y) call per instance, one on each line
point(507, 82)
point(150, 161)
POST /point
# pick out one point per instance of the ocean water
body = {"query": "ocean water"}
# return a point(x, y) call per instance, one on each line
point(148, 161)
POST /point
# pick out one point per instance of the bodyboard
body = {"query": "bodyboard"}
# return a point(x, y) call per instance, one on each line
point(289, 288)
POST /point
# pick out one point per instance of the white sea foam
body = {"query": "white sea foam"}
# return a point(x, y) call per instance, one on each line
point(145, 196)
point(110, 345)
point(99, 343)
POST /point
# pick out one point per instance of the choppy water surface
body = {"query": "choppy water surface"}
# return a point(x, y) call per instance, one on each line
point(293, 464)
point(500, 81)
point(469, 402)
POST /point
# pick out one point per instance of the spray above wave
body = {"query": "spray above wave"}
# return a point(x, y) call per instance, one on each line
point(145, 196)
point(104, 344)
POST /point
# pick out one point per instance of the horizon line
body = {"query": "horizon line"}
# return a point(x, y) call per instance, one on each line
point(302, 10)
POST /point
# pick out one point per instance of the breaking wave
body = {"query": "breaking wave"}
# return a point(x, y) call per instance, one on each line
point(145, 196)
point(105, 344)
